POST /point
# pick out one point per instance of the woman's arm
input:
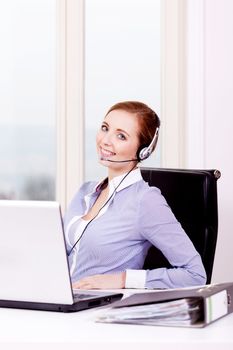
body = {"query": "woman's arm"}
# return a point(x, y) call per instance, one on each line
point(159, 226)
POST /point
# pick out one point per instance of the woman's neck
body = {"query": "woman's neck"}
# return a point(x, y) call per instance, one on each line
point(114, 173)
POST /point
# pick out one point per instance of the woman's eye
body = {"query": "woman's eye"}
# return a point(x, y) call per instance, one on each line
point(104, 128)
point(121, 136)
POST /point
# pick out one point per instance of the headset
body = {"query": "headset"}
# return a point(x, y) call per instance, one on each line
point(143, 152)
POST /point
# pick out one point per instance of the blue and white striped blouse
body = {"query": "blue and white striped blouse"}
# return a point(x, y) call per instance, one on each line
point(136, 217)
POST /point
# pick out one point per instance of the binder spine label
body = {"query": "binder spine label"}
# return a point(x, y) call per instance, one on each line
point(216, 306)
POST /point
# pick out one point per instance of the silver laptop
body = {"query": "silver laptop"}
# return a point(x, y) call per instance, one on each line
point(34, 271)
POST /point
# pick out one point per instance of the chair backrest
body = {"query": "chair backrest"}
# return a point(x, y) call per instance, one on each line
point(192, 196)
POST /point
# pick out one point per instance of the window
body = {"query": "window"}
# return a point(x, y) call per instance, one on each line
point(27, 95)
point(110, 51)
point(122, 62)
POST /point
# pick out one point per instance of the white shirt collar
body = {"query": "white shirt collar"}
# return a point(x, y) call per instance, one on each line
point(115, 185)
point(132, 177)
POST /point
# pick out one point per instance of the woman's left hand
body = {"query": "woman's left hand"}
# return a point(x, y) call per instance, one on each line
point(113, 281)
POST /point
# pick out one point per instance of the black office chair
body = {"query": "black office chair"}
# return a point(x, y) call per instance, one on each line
point(192, 196)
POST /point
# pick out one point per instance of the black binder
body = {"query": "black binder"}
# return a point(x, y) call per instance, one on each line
point(192, 307)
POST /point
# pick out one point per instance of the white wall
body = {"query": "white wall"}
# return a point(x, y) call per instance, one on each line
point(210, 111)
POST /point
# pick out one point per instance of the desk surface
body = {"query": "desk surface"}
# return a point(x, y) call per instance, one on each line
point(25, 329)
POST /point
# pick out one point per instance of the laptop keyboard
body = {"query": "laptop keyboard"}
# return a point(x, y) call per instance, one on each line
point(82, 296)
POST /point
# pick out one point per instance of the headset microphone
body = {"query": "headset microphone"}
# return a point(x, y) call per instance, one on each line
point(118, 161)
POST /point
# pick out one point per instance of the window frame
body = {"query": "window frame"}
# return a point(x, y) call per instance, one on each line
point(70, 99)
point(70, 91)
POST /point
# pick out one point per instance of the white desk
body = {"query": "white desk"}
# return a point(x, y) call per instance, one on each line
point(24, 330)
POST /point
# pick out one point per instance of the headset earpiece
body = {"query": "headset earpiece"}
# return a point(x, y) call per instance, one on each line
point(141, 148)
point(145, 151)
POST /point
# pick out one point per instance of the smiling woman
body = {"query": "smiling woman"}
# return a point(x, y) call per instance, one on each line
point(110, 225)
point(120, 146)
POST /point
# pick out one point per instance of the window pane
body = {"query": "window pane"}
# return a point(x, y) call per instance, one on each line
point(27, 95)
point(122, 63)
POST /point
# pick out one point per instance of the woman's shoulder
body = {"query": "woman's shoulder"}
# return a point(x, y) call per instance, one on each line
point(87, 187)
point(84, 189)
point(146, 190)
point(153, 206)
point(150, 194)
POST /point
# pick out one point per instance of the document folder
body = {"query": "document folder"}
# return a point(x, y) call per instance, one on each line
point(190, 307)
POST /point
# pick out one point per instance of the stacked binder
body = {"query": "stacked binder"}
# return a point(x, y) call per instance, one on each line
point(190, 307)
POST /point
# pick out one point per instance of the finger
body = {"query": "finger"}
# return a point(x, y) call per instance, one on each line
point(84, 285)
point(79, 284)
point(91, 282)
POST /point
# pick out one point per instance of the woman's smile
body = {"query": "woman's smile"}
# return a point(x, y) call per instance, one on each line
point(106, 153)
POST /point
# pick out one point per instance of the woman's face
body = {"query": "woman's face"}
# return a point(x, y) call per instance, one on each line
point(118, 140)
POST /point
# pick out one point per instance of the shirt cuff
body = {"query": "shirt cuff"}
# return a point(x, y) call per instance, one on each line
point(135, 279)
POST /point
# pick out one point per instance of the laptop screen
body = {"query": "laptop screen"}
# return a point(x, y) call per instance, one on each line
point(33, 259)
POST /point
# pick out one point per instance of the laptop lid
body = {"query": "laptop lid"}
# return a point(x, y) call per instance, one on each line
point(33, 260)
